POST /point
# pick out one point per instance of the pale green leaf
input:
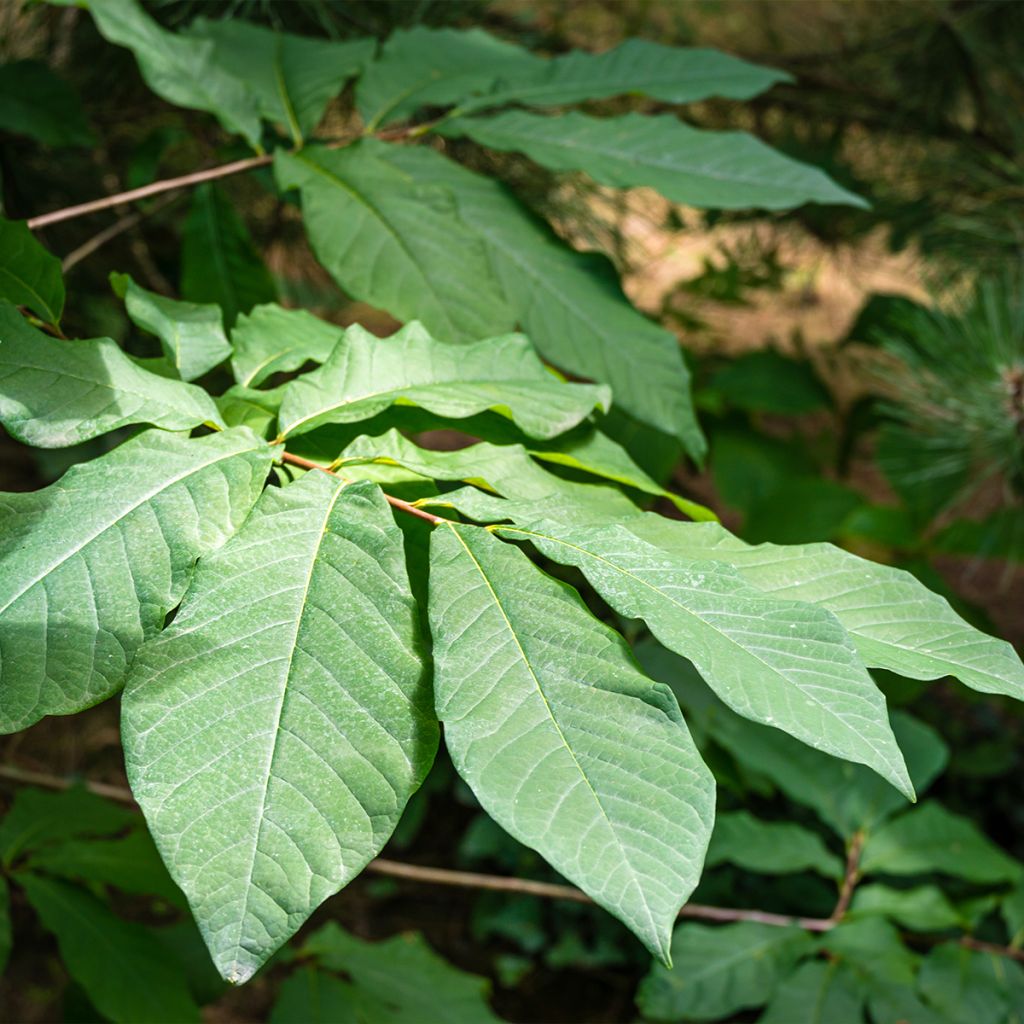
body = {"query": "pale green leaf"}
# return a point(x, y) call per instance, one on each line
point(272, 340)
point(37, 102)
point(817, 993)
point(293, 77)
point(248, 407)
point(718, 971)
point(769, 847)
point(29, 275)
point(122, 966)
point(924, 908)
point(364, 375)
point(969, 986)
point(718, 170)
point(931, 839)
point(191, 334)
point(566, 745)
point(91, 565)
point(569, 303)
point(183, 71)
point(56, 393)
point(895, 621)
point(783, 663)
point(398, 246)
point(274, 732)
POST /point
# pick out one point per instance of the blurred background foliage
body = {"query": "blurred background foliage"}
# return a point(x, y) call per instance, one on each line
point(860, 374)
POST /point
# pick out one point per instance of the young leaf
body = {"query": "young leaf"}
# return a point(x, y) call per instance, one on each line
point(425, 263)
point(569, 303)
point(272, 340)
point(293, 77)
point(566, 745)
point(191, 335)
point(274, 732)
point(783, 663)
point(123, 968)
point(365, 375)
point(55, 393)
point(718, 971)
point(29, 275)
point(34, 101)
point(219, 263)
point(720, 170)
point(895, 621)
point(769, 847)
point(91, 565)
point(817, 993)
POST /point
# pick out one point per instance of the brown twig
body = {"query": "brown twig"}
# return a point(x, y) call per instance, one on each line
point(850, 877)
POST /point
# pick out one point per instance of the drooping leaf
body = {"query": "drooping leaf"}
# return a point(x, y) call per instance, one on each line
point(570, 304)
point(364, 375)
point(29, 275)
point(930, 838)
point(769, 847)
point(191, 334)
point(219, 262)
point(720, 170)
point(275, 730)
point(183, 71)
point(36, 102)
point(85, 580)
point(817, 993)
point(718, 971)
point(566, 745)
point(924, 908)
point(122, 967)
point(272, 340)
point(784, 663)
point(398, 246)
point(293, 77)
point(968, 986)
point(896, 622)
point(55, 393)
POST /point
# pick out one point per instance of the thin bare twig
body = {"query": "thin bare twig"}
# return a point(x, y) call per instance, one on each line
point(850, 877)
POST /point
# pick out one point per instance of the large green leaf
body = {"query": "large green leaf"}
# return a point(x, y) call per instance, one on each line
point(784, 663)
point(29, 275)
point(34, 101)
point(122, 966)
point(183, 71)
point(272, 340)
point(57, 393)
point(274, 732)
point(895, 621)
point(769, 847)
point(718, 971)
point(817, 992)
point(398, 246)
point(721, 170)
point(566, 745)
point(364, 375)
point(967, 986)
point(191, 334)
point(293, 77)
point(569, 303)
point(91, 565)
point(219, 262)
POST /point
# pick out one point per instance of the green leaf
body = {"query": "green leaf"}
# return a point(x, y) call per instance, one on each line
point(817, 993)
point(191, 335)
point(401, 980)
point(397, 245)
point(219, 262)
point(248, 407)
point(1013, 914)
point(896, 622)
point(365, 375)
point(968, 986)
point(566, 745)
point(923, 909)
point(569, 303)
point(802, 509)
point(873, 948)
point(55, 393)
point(769, 847)
point(718, 971)
point(183, 71)
point(274, 732)
point(272, 340)
point(783, 663)
point(29, 275)
point(84, 581)
point(36, 102)
point(766, 381)
point(312, 996)
point(123, 968)
point(421, 67)
point(718, 170)
point(930, 838)
point(293, 77)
